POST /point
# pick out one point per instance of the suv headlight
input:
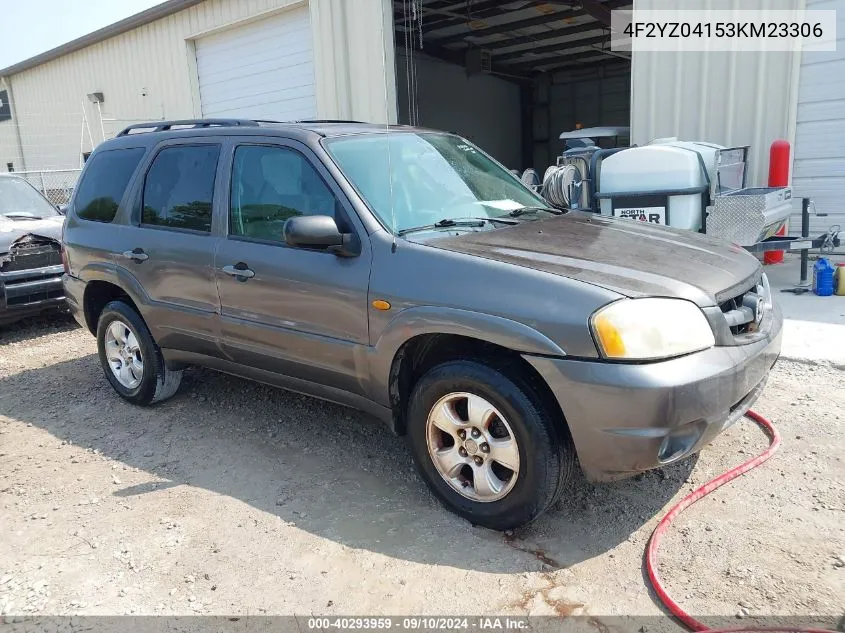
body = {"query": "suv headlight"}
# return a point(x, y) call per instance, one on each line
point(650, 328)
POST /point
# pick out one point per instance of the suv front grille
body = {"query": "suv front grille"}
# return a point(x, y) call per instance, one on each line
point(34, 254)
point(745, 311)
point(743, 321)
point(31, 273)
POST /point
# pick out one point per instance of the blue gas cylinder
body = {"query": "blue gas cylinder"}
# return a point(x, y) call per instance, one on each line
point(823, 278)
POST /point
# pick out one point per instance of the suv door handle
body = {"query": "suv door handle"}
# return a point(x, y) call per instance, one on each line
point(239, 270)
point(137, 255)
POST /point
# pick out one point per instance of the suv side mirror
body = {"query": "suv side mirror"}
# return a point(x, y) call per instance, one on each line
point(320, 231)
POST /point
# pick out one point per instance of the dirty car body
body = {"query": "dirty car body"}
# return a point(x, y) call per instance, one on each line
point(425, 285)
point(30, 251)
point(626, 417)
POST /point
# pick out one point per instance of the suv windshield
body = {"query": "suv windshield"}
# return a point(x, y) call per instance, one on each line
point(432, 177)
point(19, 200)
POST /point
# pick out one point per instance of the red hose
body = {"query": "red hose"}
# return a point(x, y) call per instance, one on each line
point(651, 551)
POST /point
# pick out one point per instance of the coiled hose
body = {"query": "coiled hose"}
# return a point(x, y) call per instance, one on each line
point(654, 543)
point(557, 183)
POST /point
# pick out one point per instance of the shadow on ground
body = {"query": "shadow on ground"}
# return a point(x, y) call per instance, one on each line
point(331, 471)
point(30, 328)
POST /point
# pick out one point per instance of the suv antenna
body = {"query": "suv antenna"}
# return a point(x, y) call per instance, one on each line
point(387, 132)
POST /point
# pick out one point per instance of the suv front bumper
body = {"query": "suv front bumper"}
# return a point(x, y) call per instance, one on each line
point(27, 292)
point(627, 418)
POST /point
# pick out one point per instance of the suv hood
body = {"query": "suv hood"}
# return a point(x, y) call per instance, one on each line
point(13, 230)
point(631, 258)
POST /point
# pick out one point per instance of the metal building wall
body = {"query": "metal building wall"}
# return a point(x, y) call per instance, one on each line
point(149, 73)
point(818, 168)
point(732, 99)
point(354, 59)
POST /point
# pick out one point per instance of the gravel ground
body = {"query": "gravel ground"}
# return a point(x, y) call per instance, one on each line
point(236, 498)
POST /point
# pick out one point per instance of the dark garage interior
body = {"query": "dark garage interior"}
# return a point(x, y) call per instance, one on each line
point(510, 76)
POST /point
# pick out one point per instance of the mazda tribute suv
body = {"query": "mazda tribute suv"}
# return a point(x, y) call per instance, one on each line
point(404, 272)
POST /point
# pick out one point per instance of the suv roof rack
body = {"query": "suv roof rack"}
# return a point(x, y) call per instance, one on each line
point(159, 126)
point(326, 121)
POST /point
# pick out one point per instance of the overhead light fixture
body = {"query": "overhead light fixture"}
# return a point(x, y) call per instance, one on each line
point(95, 97)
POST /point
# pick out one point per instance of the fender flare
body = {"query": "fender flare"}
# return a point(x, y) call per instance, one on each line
point(116, 276)
point(421, 320)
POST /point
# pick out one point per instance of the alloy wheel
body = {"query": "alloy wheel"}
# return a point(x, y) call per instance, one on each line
point(123, 353)
point(472, 446)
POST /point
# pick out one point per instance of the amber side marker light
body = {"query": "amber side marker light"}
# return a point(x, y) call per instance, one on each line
point(610, 339)
point(380, 304)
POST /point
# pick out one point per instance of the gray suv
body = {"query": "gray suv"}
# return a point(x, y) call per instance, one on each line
point(404, 272)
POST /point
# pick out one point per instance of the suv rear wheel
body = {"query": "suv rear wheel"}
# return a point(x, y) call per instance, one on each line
point(486, 445)
point(131, 360)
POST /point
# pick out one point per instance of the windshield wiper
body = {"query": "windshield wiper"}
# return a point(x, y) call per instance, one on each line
point(21, 214)
point(448, 222)
point(523, 210)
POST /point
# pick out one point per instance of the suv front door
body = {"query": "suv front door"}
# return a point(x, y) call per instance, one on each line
point(168, 246)
point(294, 311)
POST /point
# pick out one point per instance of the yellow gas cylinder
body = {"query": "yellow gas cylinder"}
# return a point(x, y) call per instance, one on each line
point(839, 285)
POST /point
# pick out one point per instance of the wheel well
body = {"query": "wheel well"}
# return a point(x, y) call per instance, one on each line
point(419, 354)
point(97, 295)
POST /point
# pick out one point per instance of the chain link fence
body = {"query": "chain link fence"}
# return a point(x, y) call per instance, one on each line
point(56, 184)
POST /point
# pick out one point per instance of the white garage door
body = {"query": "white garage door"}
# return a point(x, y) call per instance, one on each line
point(262, 70)
point(819, 167)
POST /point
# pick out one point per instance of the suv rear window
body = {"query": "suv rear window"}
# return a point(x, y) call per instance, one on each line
point(179, 188)
point(104, 183)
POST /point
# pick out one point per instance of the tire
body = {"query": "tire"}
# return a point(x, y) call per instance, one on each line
point(155, 382)
point(546, 454)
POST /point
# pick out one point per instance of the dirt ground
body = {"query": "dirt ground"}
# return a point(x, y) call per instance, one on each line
point(236, 498)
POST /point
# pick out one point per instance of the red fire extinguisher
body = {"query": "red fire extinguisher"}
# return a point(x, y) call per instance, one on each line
point(778, 177)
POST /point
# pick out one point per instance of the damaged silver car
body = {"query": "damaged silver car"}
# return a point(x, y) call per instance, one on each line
point(30, 251)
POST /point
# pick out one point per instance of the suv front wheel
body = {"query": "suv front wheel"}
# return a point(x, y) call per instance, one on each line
point(131, 360)
point(486, 444)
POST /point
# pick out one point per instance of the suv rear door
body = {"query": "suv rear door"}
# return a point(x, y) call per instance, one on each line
point(300, 312)
point(168, 245)
point(92, 216)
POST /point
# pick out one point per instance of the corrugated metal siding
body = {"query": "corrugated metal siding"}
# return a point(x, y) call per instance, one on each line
point(354, 59)
point(150, 73)
point(818, 169)
point(726, 98)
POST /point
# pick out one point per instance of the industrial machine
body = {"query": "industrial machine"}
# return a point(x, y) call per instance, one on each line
point(690, 185)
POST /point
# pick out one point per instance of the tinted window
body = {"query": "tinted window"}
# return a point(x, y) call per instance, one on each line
point(179, 188)
point(104, 183)
point(270, 185)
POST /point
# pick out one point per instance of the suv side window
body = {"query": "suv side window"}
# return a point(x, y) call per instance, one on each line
point(270, 185)
point(179, 188)
point(100, 192)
